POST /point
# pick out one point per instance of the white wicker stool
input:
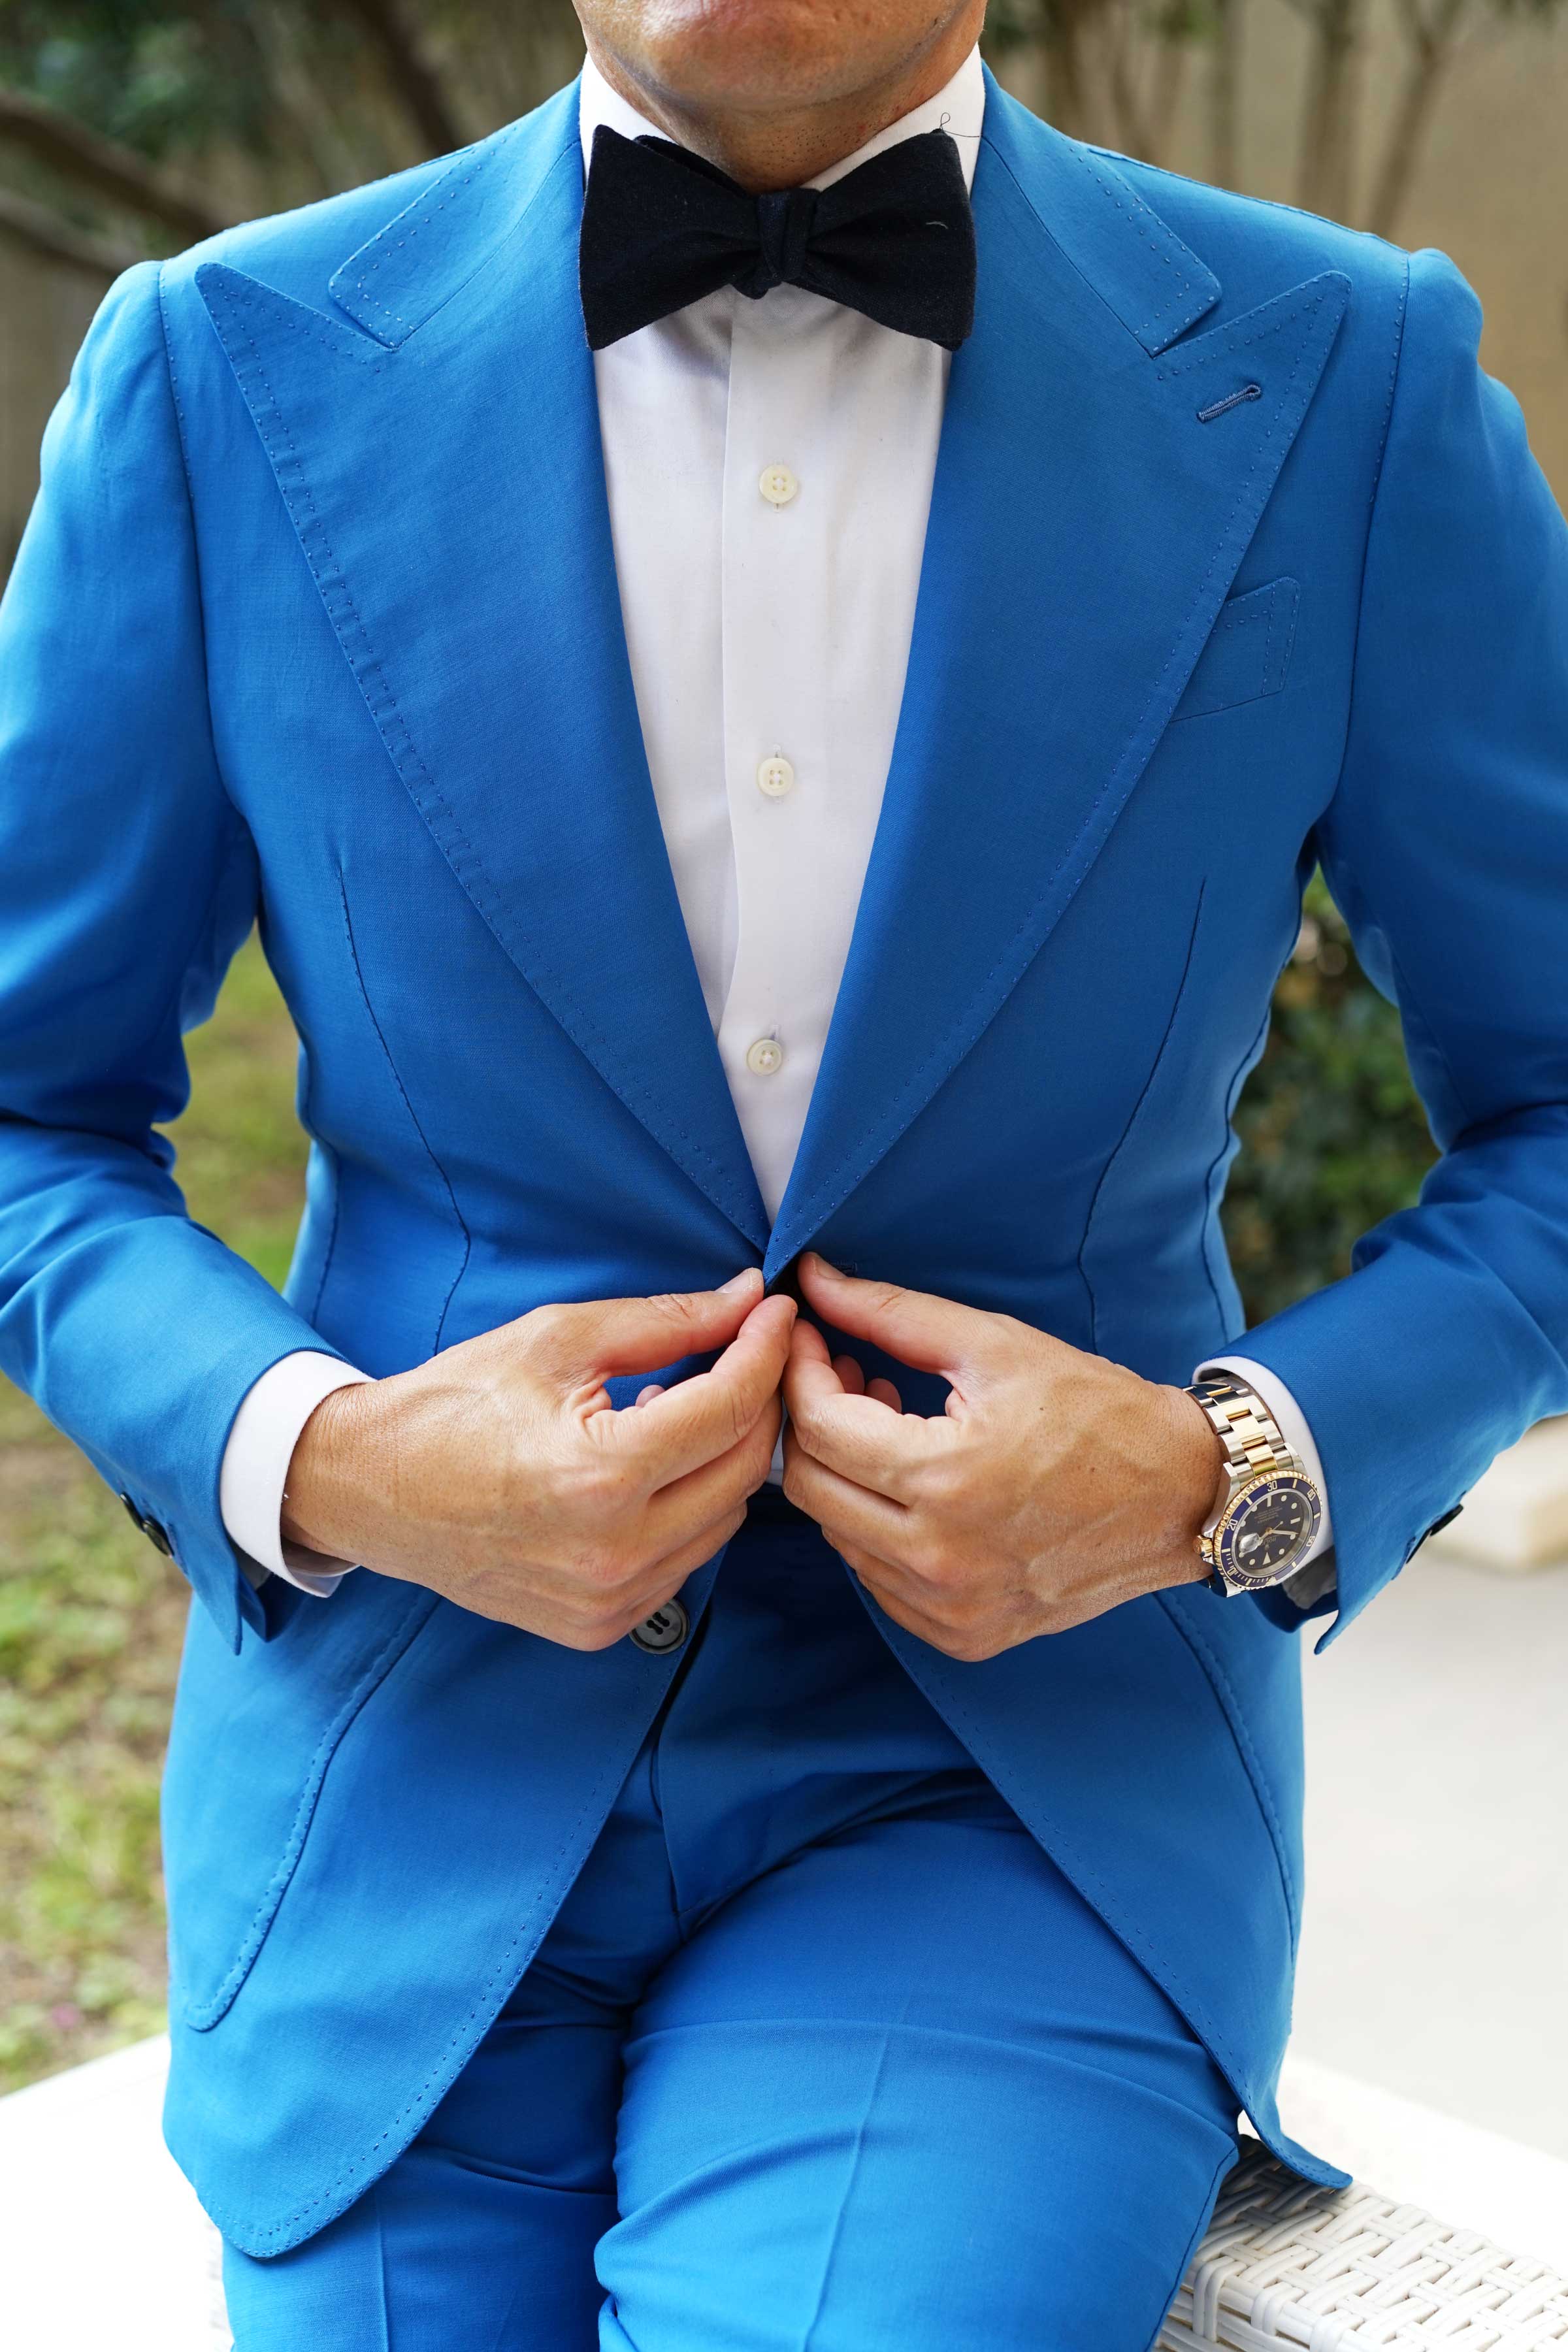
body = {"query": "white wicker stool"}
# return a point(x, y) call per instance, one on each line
point(1289, 2268)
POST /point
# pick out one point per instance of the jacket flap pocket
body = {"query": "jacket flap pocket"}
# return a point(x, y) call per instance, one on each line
point(255, 1735)
point(1248, 651)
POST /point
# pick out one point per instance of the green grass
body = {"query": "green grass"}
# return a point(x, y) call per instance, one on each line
point(91, 1616)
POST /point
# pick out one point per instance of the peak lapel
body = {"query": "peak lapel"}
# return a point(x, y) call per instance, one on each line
point(440, 459)
point(1085, 529)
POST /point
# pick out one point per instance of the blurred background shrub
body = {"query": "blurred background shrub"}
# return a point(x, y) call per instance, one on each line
point(1334, 1138)
point(131, 127)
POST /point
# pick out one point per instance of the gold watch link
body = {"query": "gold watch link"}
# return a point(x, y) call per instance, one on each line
point(1272, 1511)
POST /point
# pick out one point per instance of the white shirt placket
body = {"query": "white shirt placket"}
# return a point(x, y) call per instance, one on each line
point(778, 519)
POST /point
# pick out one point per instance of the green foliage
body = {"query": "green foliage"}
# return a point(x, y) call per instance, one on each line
point(91, 1616)
point(1334, 1138)
point(241, 1150)
point(90, 1619)
point(249, 107)
point(157, 75)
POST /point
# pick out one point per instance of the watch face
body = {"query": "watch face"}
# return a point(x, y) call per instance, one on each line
point(1267, 1529)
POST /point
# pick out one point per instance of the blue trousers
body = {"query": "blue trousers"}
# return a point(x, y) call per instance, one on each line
point(821, 2054)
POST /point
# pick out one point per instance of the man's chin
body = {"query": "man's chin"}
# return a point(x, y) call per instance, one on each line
point(764, 55)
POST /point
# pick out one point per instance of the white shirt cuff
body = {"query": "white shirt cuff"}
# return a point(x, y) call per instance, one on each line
point(1314, 1576)
point(256, 1468)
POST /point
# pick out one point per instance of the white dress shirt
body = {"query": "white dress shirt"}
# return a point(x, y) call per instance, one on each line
point(768, 464)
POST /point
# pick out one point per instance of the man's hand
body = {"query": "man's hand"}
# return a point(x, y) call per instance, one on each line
point(500, 1475)
point(1055, 1485)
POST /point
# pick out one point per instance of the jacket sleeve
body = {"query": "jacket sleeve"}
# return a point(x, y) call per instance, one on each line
point(1447, 846)
point(127, 881)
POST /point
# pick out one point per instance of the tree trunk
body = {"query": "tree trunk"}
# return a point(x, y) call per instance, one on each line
point(42, 231)
point(1170, 77)
point(98, 164)
point(304, 106)
point(1432, 51)
point(416, 82)
point(1066, 78)
point(1121, 80)
point(1328, 122)
point(45, 309)
point(1224, 96)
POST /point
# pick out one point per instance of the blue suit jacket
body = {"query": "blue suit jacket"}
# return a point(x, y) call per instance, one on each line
point(317, 618)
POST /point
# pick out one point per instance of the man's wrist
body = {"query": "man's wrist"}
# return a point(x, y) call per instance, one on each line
point(1268, 1522)
point(255, 1468)
point(1294, 1427)
point(1197, 1477)
point(323, 1491)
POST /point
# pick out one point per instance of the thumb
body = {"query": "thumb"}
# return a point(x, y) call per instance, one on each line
point(605, 1335)
point(934, 1335)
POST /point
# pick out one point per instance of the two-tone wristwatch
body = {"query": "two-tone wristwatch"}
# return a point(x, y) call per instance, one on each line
point(1268, 1518)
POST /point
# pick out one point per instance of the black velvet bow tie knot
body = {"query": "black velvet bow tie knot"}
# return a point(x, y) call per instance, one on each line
point(893, 239)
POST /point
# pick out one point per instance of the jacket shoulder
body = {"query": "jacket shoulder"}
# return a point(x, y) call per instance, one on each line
point(1258, 248)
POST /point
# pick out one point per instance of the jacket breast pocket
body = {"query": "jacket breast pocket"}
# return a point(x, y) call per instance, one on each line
point(1248, 652)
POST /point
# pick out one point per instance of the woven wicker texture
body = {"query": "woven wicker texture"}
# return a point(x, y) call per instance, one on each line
point(1314, 2269)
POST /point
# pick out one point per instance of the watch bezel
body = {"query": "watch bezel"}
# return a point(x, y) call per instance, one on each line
point(1241, 1508)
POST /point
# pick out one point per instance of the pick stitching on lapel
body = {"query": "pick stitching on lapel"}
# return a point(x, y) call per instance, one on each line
point(1084, 531)
point(476, 603)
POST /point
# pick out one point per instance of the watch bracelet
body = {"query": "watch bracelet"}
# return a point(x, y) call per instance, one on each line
point(1253, 1442)
point(1254, 1446)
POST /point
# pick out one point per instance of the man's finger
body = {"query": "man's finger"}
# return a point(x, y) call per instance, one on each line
point(855, 1434)
point(680, 1511)
point(666, 1575)
point(909, 1614)
point(702, 1418)
point(578, 1612)
point(845, 1512)
point(934, 1334)
point(605, 1335)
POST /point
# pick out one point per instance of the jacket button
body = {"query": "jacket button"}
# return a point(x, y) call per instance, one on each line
point(155, 1534)
point(1435, 1529)
point(665, 1630)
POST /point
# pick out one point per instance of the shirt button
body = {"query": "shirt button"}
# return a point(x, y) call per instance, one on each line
point(764, 1057)
point(664, 1631)
point(776, 777)
point(777, 485)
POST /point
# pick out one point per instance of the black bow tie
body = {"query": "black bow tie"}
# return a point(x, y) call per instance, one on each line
point(894, 239)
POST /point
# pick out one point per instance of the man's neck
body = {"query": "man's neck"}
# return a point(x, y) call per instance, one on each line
point(786, 146)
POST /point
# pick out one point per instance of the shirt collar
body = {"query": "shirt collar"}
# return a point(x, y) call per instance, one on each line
point(958, 108)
